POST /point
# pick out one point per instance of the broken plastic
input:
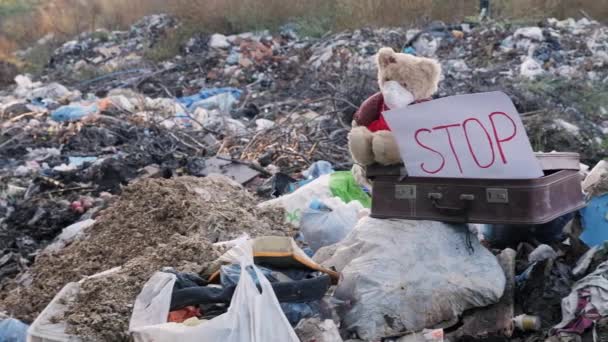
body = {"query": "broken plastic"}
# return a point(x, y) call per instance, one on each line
point(317, 330)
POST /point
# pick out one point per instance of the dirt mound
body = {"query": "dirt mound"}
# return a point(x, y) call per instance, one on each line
point(102, 309)
point(155, 223)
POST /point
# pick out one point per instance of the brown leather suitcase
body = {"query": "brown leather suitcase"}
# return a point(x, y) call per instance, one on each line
point(496, 201)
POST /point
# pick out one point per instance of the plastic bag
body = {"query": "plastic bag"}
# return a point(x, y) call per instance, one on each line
point(327, 222)
point(294, 310)
point(69, 234)
point(343, 185)
point(340, 184)
point(222, 102)
point(297, 202)
point(402, 275)
point(252, 316)
point(318, 169)
point(204, 94)
point(73, 112)
point(13, 330)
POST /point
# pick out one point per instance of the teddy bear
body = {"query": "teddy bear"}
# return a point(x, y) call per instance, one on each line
point(403, 79)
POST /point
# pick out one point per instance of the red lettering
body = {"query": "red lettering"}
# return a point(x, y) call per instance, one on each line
point(447, 130)
point(498, 140)
point(466, 135)
point(430, 149)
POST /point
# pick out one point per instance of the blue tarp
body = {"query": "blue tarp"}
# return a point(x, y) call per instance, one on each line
point(595, 221)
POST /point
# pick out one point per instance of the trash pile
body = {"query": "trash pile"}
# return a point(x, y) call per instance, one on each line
point(156, 222)
point(112, 50)
point(139, 197)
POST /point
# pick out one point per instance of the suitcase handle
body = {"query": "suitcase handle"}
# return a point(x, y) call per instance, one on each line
point(467, 199)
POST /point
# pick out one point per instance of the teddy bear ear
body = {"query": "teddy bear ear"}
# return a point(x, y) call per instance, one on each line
point(386, 56)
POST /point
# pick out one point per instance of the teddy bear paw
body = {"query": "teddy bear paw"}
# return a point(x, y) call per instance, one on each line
point(385, 149)
point(360, 145)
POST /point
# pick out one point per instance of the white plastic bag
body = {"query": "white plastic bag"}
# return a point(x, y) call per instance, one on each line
point(330, 222)
point(297, 202)
point(402, 275)
point(252, 316)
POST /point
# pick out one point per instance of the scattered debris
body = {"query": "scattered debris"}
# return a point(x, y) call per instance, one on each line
point(315, 330)
point(172, 220)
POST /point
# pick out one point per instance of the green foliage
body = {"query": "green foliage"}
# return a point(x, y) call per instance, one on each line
point(589, 98)
point(38, 58)
point(100, 35)
point(169, 46)
point(314, 27)
point(9, 8)
point(250, 16)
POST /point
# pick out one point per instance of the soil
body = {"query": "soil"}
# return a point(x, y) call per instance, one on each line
point(102, 309)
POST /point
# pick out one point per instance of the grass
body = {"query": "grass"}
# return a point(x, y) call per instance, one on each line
point(169, 45)
point(10, 8)
point(66, 18)
point(589, 98)
point(37, 58)
point(102, 36)
point(314, 27)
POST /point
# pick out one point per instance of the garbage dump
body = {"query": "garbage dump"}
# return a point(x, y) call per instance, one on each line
point(154, 199)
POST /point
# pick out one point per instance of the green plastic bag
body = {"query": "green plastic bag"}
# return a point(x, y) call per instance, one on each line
point(342, 184)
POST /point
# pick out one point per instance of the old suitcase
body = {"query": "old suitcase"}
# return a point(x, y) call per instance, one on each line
point(497, 201)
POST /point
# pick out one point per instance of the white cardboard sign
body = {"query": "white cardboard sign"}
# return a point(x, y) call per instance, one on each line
point(464, 136)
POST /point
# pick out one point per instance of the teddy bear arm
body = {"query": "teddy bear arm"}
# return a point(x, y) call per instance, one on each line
point(369, 111)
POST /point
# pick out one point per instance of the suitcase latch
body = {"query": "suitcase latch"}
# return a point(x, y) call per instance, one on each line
point(405, 191)
point(497, 195)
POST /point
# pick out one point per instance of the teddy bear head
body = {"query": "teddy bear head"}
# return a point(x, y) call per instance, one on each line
point(419, 75)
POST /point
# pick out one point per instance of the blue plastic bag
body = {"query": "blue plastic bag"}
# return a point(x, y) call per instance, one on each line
point(13, 330)
point(317, 169)
point(314, 171)
point(73, 112)
point(79, 161)
point(409, 50)
point(188, 101)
